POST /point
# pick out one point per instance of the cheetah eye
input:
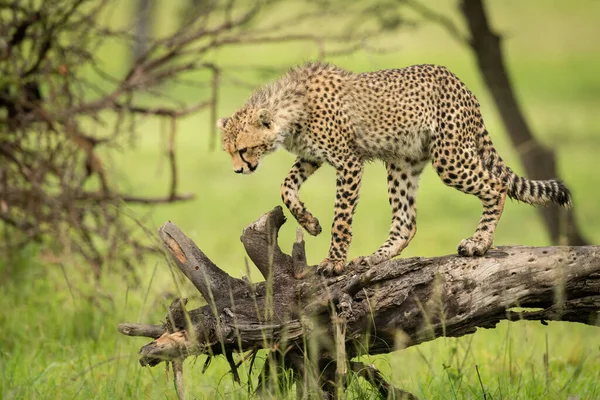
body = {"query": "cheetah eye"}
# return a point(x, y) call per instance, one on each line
point(242, 150)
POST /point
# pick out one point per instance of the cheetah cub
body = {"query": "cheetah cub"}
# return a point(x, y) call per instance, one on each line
point(404, 117)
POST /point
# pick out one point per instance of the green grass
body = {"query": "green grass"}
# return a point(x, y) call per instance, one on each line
point(58, 334)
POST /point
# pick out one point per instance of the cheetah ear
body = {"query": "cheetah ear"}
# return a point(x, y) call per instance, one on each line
point(222, 122)
point(265, 118)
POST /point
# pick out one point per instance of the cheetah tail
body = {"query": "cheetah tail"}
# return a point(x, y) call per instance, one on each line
point(538, 192)
point(519, 188)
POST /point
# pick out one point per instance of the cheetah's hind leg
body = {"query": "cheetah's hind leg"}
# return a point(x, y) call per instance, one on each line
point(330, 267)
point(403, 182)
point(466, 173)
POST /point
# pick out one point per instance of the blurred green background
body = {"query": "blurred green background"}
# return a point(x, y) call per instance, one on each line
point(58, 334)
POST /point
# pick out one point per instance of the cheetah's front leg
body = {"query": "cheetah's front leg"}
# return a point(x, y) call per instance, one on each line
point(348, 179)
point(299, 173)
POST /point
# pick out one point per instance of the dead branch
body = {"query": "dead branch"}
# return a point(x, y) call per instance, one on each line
point(366, 308)
point(178, 377)
point(213, 283)
point(153, 331)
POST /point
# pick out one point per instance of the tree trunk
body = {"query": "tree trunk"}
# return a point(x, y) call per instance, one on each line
point(297, 313)
point(539, 161)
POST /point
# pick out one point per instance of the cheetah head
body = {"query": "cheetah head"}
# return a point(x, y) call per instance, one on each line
point(248, 136)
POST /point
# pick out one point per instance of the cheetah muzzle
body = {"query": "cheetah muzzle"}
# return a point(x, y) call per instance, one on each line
point(405, 117)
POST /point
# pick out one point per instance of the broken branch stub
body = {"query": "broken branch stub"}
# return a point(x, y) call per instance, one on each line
point(260, 242)
point(152, 331)
point(390, 306)
point(210, 280)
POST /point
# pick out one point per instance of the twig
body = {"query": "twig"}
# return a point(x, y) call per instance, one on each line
point(101, 197)
point(172, 160)
point(341, 358)
point(480, 382)
point(216, 71)
point(251, 365)
point(163, 111)
point(441, 19)
point(231, 362)
point(206, 363)
point(156, 200)
point(178, 378)
point(92, 367)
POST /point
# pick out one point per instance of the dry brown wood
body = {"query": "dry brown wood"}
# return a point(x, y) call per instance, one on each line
point(393, 305)
point(210, 280)
point(153, 331)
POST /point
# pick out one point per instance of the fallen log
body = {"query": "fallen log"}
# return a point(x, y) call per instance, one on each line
point(296, 313)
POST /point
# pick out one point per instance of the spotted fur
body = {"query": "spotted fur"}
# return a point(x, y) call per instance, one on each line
point(405, 117)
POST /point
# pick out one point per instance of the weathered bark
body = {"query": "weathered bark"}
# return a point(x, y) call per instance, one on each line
point(212, 282)
point(423, 297)
point(539, 161)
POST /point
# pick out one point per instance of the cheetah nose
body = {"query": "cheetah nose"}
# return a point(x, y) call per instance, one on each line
point(238, 171)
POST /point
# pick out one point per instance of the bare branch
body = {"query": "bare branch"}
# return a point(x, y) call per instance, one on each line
point(213, 283)
point(162, 111)
point(151, 331)
point(172, 160)
point(437, 17)
point(156, 200)
point(178, 378)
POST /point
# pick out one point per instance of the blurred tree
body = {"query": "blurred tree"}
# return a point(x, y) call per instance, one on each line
point(60, 102)
point(538, 160)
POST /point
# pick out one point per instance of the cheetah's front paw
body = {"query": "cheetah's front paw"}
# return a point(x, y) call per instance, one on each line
point(330, 267)
point(473, 247)
point(310, 223)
